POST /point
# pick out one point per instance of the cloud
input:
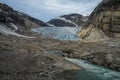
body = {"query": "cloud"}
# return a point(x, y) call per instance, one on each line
point(52, 8)
point(64, 6)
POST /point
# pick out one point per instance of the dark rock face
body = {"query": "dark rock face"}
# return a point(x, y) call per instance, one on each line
point(58, 22)
point(106, 17)
point(8, 15)
point(23, 21)
point(77, 18)
point(69, 20)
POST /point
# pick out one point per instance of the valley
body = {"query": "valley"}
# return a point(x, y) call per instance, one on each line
point(68, 47)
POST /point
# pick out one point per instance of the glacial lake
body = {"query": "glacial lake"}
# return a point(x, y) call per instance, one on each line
point(90, 71)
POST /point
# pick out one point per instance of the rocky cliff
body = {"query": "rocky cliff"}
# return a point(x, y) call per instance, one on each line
point(73, 20)
point(17, 21)
point(105, 20)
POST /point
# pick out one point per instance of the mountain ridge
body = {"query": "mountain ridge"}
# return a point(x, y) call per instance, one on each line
point(17, 21)
point(72, 20)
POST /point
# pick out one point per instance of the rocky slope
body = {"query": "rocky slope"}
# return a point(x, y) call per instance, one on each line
point(17, 21)
point(73, 20)
point(105, 19)
point(27, 58)
point(32, 59)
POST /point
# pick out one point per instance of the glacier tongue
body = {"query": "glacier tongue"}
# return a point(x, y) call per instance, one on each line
point(61, 33)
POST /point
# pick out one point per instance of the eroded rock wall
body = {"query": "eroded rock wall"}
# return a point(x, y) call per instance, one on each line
point(106, 17)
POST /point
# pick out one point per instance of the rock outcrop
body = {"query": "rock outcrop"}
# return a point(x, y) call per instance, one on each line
point(17, 21)
point(104, 19)
point(72, 20)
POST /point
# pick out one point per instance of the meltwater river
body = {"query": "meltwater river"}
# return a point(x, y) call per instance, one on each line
point(93, 72)
point(90, 71)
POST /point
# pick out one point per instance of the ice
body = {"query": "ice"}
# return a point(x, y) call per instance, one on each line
point(61, 33)
point(51, 25)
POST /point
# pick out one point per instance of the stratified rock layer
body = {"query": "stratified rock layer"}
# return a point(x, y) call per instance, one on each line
point(106, 17)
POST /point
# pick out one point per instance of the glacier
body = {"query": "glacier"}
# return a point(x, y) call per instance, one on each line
point(61, 33)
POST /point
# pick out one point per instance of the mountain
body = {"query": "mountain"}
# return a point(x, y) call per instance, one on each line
point(75, 20)
point(104, 22)
point(13, 21)
point(24, 57)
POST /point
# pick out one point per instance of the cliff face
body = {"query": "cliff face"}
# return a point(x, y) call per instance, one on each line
point(73, 20)
point(18, 21)
point(105, 17)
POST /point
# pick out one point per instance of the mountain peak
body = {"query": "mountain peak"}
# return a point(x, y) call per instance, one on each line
point(72, 20)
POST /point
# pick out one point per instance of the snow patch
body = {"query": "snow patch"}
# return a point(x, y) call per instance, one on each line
point(69, 21)
point(6, 31)
point(13, 25)
point(73, 17)
point(0, 10)
point(51, 25)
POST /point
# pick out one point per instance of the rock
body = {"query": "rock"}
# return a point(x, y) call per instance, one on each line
point(21, 21)
point(93, 34)
point(72, 20)
point(109, 57)
point(106, 18)
point(85, 53)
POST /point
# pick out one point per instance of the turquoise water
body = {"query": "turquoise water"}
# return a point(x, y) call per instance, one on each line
point(93, 72)
point(61, 33)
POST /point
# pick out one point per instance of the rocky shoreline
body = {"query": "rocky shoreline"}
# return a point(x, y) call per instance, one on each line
point(101, 53)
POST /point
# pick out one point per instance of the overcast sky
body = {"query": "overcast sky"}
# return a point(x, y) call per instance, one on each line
point(48, 9)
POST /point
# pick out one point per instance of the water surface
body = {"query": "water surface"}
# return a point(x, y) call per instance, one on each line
point(93, 72)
